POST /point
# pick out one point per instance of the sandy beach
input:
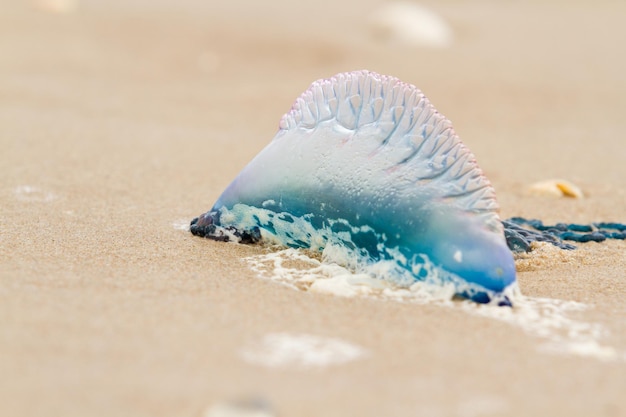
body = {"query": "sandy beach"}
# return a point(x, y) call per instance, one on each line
point(122, 121)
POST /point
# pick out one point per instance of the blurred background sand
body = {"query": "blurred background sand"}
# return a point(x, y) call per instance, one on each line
point(122, 120)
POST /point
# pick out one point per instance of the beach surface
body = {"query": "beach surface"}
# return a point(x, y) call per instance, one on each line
point(122, 121)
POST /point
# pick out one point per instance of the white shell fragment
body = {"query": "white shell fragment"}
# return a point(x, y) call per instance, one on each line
point(410, 24)
point(57, 6)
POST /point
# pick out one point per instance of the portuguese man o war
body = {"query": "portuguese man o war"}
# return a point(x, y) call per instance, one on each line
point(364, 170)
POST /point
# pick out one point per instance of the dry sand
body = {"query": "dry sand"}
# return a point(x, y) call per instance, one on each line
point(121, 121)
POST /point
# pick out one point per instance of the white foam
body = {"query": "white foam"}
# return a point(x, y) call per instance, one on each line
point(550, 320)
point(330, 278)
point(33, 194)
point(300, 351)
point(181, 224)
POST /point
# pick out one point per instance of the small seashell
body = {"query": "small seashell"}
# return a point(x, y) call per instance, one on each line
point(411, 24)
point(57, 6)
point(556, 188)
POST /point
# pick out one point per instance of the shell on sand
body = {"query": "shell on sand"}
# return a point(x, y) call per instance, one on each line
point(57, 6)
point(410, 24)
point(366, 171)
point(556, 188)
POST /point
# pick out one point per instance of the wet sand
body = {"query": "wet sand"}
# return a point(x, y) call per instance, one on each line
point(121, 121)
